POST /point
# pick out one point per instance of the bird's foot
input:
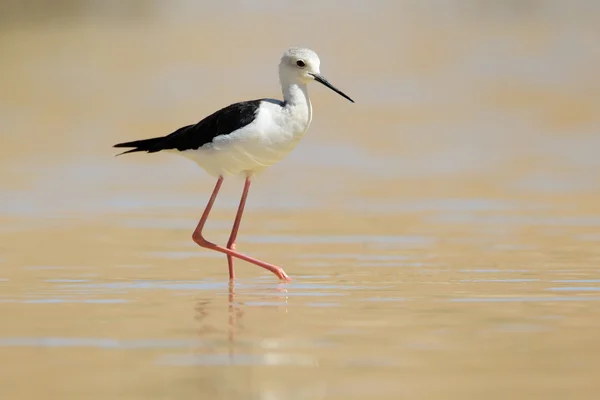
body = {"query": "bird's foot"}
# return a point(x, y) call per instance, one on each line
point(282, 275)
point(279, 272)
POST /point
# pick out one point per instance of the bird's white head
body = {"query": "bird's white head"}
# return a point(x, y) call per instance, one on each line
point(302, 65)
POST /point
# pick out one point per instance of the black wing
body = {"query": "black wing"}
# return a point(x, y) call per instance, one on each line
point(191, 137)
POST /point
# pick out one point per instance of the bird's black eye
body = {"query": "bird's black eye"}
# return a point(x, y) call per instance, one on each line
point(300, 63)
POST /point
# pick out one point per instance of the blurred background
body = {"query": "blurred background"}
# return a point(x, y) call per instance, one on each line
point(442, 233)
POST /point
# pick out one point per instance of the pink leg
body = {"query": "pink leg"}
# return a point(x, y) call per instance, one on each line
point(199, 239)
point(236, 226)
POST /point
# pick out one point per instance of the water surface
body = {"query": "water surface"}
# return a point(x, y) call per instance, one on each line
point(441, 233)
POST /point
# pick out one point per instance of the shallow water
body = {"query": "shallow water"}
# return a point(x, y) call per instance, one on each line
point(442, 233)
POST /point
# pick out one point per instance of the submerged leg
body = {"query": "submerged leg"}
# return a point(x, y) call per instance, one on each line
point(199, 238)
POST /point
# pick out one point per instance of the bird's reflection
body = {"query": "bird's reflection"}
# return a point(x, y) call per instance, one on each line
point(235, 314)
point(255, 351)
point(235, 311)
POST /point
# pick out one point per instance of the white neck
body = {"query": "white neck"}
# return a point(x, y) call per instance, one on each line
point(295, 94)
point(297, 103)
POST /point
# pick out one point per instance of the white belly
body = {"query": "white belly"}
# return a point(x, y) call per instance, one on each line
point(248, 157)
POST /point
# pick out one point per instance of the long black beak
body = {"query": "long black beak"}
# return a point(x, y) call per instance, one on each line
point(321, 79)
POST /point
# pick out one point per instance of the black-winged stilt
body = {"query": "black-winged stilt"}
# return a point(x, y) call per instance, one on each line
point(246, 138)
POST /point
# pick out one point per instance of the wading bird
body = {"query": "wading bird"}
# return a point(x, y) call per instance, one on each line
point(246, 138)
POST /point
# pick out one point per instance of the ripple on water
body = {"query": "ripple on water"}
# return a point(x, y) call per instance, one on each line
point(322, 304)
point(492, 270)
point(469, 205)
point(97, 342)
point(53, 267)
point(257, 287)
point(271, 358)
point(168, 285)
point(61, 300)
point(177, 255)
point(476, 219)
point(265, 303)
point(385, 299)
point(361, 260)
point(355, 256)
point(344, 239)
point(499, 280)
point(519, 299)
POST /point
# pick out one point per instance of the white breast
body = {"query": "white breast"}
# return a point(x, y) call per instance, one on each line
point(272, 135)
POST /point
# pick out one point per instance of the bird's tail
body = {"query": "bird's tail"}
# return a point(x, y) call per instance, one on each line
point(147, 145)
